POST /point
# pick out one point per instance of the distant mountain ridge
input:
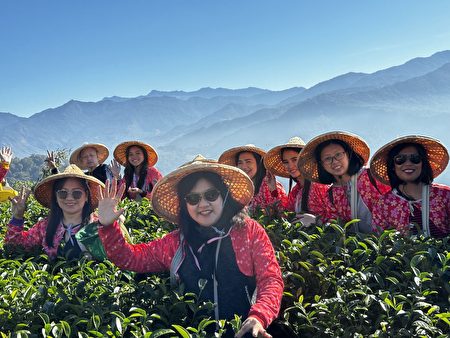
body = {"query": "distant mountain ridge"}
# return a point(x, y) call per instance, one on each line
point(412, 98)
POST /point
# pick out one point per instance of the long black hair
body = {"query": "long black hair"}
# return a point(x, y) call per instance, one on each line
point(306, 185)
point(129, 169)
point(355, 161)
point(56, 215)
point(260, 172)
point(426, 175)
point(232, 213)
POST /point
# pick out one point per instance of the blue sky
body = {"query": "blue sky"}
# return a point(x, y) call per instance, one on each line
point(56, 50)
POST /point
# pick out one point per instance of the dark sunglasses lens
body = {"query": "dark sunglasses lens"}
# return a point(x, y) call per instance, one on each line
point(211, 195)
point(193, 198)
point(415, 158)
point(62, 194)
point(77, 194)
point(400, 159)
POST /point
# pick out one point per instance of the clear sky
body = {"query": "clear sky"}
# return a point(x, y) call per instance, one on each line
point(52, 51)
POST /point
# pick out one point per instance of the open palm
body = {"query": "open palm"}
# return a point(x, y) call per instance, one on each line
point(108, 201)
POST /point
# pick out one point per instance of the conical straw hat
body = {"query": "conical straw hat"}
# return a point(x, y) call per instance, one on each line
point(43, 190)
point(120, 153)
point(102, 154)
point(273, 160)
point(307, 163)
point(165, 199)
point(229, 156)
point(436, 152)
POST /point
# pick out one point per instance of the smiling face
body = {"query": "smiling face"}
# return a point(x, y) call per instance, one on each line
point(289, 158)
point(335, 160)
point(70, 205)
point(89, 158)
point(135, 156)
point(408, 171)
point(205, 213)
point(247, 162)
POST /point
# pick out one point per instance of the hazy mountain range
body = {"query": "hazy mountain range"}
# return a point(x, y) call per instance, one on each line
point(413, 98)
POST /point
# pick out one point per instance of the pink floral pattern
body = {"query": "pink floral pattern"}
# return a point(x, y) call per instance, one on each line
point(253, 250)
point(35, 236)
point(317, 192)
point(153, 176)
point(340, 207)
point(392, 210)
point(265, 197)
point(4, 167)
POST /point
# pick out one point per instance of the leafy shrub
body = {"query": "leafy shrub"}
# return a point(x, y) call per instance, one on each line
point(336, 284)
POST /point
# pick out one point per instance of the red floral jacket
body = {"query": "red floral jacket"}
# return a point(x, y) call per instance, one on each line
point(265, 197)
point(35, 236)
point(4, 167)
point(393, 211)
point(340, 206)
point(153, 176)
point(252, 247)
point(293, 201)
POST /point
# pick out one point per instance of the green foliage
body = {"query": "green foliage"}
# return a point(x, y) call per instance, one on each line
point(336, 284)
point(33, 167)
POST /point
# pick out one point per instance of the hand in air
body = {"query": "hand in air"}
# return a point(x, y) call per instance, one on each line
point(50, 160)
point(6, 154)
point(115, 169)
point(18, 203)
point(109, 198)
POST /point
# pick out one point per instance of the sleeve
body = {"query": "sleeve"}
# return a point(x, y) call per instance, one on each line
point(154, 256)
point(4, 167)
point(28, 240)
point(319, 203)
point(288, 203)
point(269, 281)
point(153, 176)
point(278, 195)
point(378, 219)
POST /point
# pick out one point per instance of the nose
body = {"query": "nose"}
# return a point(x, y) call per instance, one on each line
point(203, 202)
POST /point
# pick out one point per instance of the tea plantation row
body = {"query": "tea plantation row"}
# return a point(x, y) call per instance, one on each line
point(336, 284)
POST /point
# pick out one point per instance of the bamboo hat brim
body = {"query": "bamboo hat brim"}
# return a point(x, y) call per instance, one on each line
point(43, 190)
point(307, 163)
point(273, 160)
point(165, 199)
point(120, 153)
point(229, 156)
point(102, 154)
point(436, 152)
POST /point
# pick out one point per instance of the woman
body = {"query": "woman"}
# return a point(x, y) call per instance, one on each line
point(217, 243)
point(249, 158)
point(282, 161)
point(338, 158)
point(71, 197)
point(140, 174)
point(409, 164)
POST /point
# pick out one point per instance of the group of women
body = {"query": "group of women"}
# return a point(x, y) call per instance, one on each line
point(217, 247)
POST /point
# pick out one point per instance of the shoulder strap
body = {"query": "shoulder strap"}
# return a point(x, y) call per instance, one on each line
point(426, 210)
point(176, 262)
point(354, 196)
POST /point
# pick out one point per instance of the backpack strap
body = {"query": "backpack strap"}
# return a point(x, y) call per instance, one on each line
point(176, 262)
point(426, 210)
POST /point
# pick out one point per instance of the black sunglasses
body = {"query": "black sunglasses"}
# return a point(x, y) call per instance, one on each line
point(63, 194)
point(402, 158)
point(194, 198)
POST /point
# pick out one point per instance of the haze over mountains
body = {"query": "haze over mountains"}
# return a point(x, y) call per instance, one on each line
point(413, 98)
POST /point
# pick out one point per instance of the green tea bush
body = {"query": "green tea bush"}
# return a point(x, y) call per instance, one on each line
point(337, 284)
